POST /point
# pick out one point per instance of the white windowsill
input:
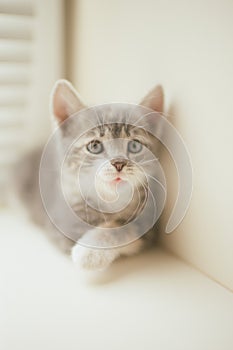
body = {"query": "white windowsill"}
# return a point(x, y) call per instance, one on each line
point(150, 301)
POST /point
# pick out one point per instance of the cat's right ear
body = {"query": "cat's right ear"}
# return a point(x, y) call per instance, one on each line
point(64, 101)
point(154, 99)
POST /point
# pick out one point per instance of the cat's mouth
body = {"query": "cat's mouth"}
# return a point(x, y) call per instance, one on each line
point(117, 180)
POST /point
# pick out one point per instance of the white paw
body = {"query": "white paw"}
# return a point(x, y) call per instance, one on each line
point(93, 259)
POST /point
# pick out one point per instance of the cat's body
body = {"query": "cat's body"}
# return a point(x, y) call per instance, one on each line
point(106, 157)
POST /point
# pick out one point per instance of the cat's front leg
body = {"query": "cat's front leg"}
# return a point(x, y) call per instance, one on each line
point(99, 259)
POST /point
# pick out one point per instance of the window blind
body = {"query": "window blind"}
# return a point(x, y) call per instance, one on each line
point(31, 59)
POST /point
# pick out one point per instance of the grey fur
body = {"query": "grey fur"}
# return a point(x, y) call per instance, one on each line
point(27, 183)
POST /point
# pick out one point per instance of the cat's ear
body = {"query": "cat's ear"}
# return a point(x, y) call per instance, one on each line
point(154, 99)
point(65, 101)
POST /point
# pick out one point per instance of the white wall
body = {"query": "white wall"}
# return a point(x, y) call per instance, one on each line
point(122, 48)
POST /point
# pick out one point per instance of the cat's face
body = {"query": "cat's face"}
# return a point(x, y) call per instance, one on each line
point(108, 156)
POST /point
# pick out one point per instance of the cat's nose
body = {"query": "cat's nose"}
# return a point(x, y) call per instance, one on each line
point(119, 163)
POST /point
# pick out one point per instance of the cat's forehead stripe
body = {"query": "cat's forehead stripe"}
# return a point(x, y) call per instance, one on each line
point(116, 129)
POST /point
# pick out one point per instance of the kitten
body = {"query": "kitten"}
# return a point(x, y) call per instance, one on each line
point(104, 154)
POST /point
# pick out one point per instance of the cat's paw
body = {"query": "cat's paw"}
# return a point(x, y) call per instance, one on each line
point(93, 259)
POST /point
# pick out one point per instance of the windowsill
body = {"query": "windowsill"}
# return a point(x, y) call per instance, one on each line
point(149, 301)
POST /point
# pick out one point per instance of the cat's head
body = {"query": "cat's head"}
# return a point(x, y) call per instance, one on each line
point(103, 141)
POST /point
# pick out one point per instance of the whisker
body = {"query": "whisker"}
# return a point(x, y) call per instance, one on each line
point(139, 204)
point(148, 161)
point(156, 180)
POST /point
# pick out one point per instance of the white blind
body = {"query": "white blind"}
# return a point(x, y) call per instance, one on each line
point(31, 59)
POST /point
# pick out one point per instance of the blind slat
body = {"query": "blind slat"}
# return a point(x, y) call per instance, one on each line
point(16, 95)
point(15, 50)
point(12, 116)
point(18, 7)
point(16, 27)
point(15, 73)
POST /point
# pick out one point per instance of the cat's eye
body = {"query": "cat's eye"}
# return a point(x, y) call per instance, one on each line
point(134, 146)
point(95, 147)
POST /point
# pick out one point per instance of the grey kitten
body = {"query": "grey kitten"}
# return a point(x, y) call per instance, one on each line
point(104, 158)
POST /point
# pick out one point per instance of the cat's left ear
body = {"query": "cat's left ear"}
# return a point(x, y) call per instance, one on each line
point(154, 99)
point(65, 100)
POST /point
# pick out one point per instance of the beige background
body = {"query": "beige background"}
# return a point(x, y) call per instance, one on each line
point(117, 50)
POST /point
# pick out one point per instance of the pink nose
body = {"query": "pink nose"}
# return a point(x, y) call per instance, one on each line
point(119, 164)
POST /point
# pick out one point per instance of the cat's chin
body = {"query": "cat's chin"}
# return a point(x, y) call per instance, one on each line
point(115, 184)
point(109, 190)
point(117, 181)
